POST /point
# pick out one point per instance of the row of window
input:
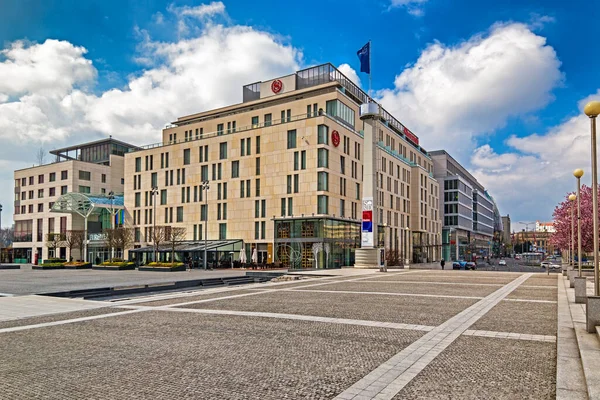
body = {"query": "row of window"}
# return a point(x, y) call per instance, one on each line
point(197, 231)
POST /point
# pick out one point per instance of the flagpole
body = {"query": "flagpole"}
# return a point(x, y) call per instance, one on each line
point(370, 66)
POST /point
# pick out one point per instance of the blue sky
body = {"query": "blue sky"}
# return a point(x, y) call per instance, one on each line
point(550, 72)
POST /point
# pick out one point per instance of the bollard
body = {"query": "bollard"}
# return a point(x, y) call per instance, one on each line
point(580, 289)
point(572, 274)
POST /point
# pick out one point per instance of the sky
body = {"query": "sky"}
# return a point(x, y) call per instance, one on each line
point(500, 85)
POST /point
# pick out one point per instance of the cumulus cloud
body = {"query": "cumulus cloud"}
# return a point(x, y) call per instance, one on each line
point(413, 7)
point(454, 94)
point(202, 11)
point(350, 73)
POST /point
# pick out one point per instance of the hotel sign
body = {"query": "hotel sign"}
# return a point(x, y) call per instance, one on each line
point(276, 86)
point(410, 136)
point(367, 222)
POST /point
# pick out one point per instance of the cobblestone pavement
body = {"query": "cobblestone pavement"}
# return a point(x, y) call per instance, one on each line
point(484, 368)
point(185, 347)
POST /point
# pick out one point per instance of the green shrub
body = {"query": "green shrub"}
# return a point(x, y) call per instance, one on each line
point(56, 264)
point(165, 265)
point(117, 263)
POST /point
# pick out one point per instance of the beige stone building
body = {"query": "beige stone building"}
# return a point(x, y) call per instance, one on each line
point(93, 170)
point(285, 176)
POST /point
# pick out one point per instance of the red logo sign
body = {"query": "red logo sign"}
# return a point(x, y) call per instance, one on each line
point(276, 86)
point(411, 136)
point(335, 138)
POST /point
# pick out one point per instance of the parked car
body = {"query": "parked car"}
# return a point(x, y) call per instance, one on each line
point(502, 262)
point(545, 264)
point(460, 264)
point(471, 265)
point(555, 267)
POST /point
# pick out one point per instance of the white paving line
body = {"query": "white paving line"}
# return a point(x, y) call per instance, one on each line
point(510, 335)
point(387, 294)
point(67, 321)
point(393, 375)
point(532, 301)
point(439, 283)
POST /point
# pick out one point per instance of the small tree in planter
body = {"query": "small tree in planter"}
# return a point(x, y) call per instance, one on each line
point(71, 240)
point(123, 238)
point(54, 241)
point(78, 238)
point(174, 236)
point(158, 236)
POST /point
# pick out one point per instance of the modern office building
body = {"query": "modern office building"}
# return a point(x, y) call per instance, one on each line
point(467, 210)
point(281, 175)
point(506, 235)
point(53, 198)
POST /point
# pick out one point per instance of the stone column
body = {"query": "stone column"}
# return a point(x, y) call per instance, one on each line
point(592, 311)
point(580, 289)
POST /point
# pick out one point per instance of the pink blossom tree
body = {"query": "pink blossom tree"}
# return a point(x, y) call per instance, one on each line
point(562, 222)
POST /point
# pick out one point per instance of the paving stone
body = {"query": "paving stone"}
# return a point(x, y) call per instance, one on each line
point(451, 277)
point(534, 294)
point(408, 310)
point(420, 288)
point(183, 299)
point(487, 368)
point(541, 280)
point(527, 318)
point(57, 317)
point(168, 355)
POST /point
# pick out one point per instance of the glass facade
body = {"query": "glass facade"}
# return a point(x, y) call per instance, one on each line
point(316, 242)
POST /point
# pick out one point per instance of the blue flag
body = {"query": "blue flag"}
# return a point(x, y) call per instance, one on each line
point(364, 55)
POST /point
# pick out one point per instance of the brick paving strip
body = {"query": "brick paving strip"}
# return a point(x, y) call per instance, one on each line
point(498, 285)
point(392, 376)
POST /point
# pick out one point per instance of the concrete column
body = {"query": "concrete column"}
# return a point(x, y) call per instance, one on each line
point(572, 274)
point(580, 289)
point(592, 311)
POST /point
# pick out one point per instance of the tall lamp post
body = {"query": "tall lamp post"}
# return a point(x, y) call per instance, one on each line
point(205, 186)
point(111, 197)
point(1, 239)
point(578, 173)
point(572, 198)
point(154, 193)
point(592, 109)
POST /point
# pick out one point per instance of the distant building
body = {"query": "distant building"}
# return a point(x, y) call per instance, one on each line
point(544, 227)
point(506, 230)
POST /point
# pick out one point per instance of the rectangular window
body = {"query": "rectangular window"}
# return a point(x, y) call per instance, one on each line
point(103, 178)
point(343, 165)
point(291, 139)
point(289, 115)
point(222, 231)
point(323, 158)
point(186, 156)
point(40, 178)
point(203, 212)
point(322, 204)
point(84, 189)
point(296, 183)
point(243, 147)
point(219, 129)
point(52, 176)
point(138, 164)
point(214, 172)
point(154, 179)
point(282, 116)
point(341, 112)
point(257, 209)
point(85, 175)
point(323, 134)
point(290, 206)
point(204, 172)
point(222, 151)
point(303, 159)
point(257, 165)
point(263, 226)
point(224, 210)
point(263, 208)
point(258, 188)
point(242, 191)
point(225, 191)
point(296, 160)
point(323, 181)
point(52, 192)
point(342, 208)
point(248, 146)
point(248, 188)
point(63, 190)
point(180, 214)
point(219, 171)
point(163, 197)
point(255, 121)
point(258, 145)
point(256, 230)
point(283, 204)
point(40, 193)
point(235, 169)
point(289, 184)
point(268, 118)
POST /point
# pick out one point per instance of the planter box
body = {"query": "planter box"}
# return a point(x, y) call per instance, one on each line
point(114, 267)
point(47, 267)
point(162, 269)
point(84, 266)
point(10, 266)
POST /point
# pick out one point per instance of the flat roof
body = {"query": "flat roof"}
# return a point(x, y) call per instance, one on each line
point(109, 140)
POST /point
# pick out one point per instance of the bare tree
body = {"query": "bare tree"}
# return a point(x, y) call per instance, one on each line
point(78, 242)
point(6, 236)
point(158, 235)
point(174, 236)
point(71, 240)
point(40, 156)
point(119, 238)
point(54, 241)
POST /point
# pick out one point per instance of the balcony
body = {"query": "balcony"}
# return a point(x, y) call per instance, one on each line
point(23, 238)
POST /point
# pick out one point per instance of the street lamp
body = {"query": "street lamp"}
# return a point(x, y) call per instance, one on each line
point(154, 193)
point(205, 186)
point(592, 109)
point(1, 237)
point(578, 173)
point(572, 198)
point(111, 197)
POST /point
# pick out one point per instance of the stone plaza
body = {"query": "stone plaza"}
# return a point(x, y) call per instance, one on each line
point(398, 335)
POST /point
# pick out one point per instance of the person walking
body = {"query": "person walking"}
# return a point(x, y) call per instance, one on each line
point(442, 263)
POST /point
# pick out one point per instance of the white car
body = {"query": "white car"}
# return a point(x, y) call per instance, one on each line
point(545, 264)
point(502, 262)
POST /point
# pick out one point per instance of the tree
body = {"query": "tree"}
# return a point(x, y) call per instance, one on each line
point(40, 156)
point(6, 237)
point(562, 222)
point(54, 241)
point(157, 236)
point(72, 239)
point(123, 238)
point(78, 242)
point(174, 236)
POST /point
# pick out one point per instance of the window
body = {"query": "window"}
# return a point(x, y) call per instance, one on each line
point(289, 184)
point(186, 156)
point(323, 158)
point(204, 172)
point(248, 146)
point(342, 208)
point(256, 230)
point(290, 206)
point(40, 178)
point(154, 179)
point(323, 181)
point(219, 129)
point(340, 111)
point(180, 214)
point(84, 175)
point(322, 204)
point(283, 204)
point(222, 231)
point(296, 156)
point(289, 115)
point(248, 188)
point(257, 165)
point(255, 121)
point(31, 180)
point(258, 188)
point(63, 190)
point(163, 197)
point(219, 171)
point(296, 183)
point(242, 191)
point(303, 159)
point(30, 209)
point(263, 226)
point(40, 193)
point(257, 209)
point(243, 147)
point(138, 199)
point(322, 134)
point(52, 176)
point(84, 189)
point(203, 212)
point(268, 118)
point(258, 145)
point(291, 139)
point(343, 164)
point(40, 207)
point(52, 192)
point(138, 164)
point(235, 169)
point(263, 208)
point(222, 151)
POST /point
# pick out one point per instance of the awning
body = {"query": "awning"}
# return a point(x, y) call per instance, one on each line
point(85, 205)
point(195, 246)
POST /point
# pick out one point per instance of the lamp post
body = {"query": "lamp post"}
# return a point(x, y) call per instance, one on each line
point(111, 197)
point(572, 198)
point(154, 193)
point(1, 237)
point(205, 186)
point(592, 109)
point(578, 173)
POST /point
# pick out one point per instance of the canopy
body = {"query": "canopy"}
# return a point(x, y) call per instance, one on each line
point(86, 205)
point(194, 246)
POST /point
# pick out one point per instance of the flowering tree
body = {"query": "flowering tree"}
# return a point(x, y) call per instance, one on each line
point(562, 222)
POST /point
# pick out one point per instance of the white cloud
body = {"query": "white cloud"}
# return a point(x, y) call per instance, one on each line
point(202, 11)
point(350, 73)
point(413, 7)
point(538, 22)
point(453, 94)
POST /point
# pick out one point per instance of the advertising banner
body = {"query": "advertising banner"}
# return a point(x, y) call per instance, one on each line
point(367, 222)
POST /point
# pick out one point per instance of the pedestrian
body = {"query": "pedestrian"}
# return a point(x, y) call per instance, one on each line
point(442, 263)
